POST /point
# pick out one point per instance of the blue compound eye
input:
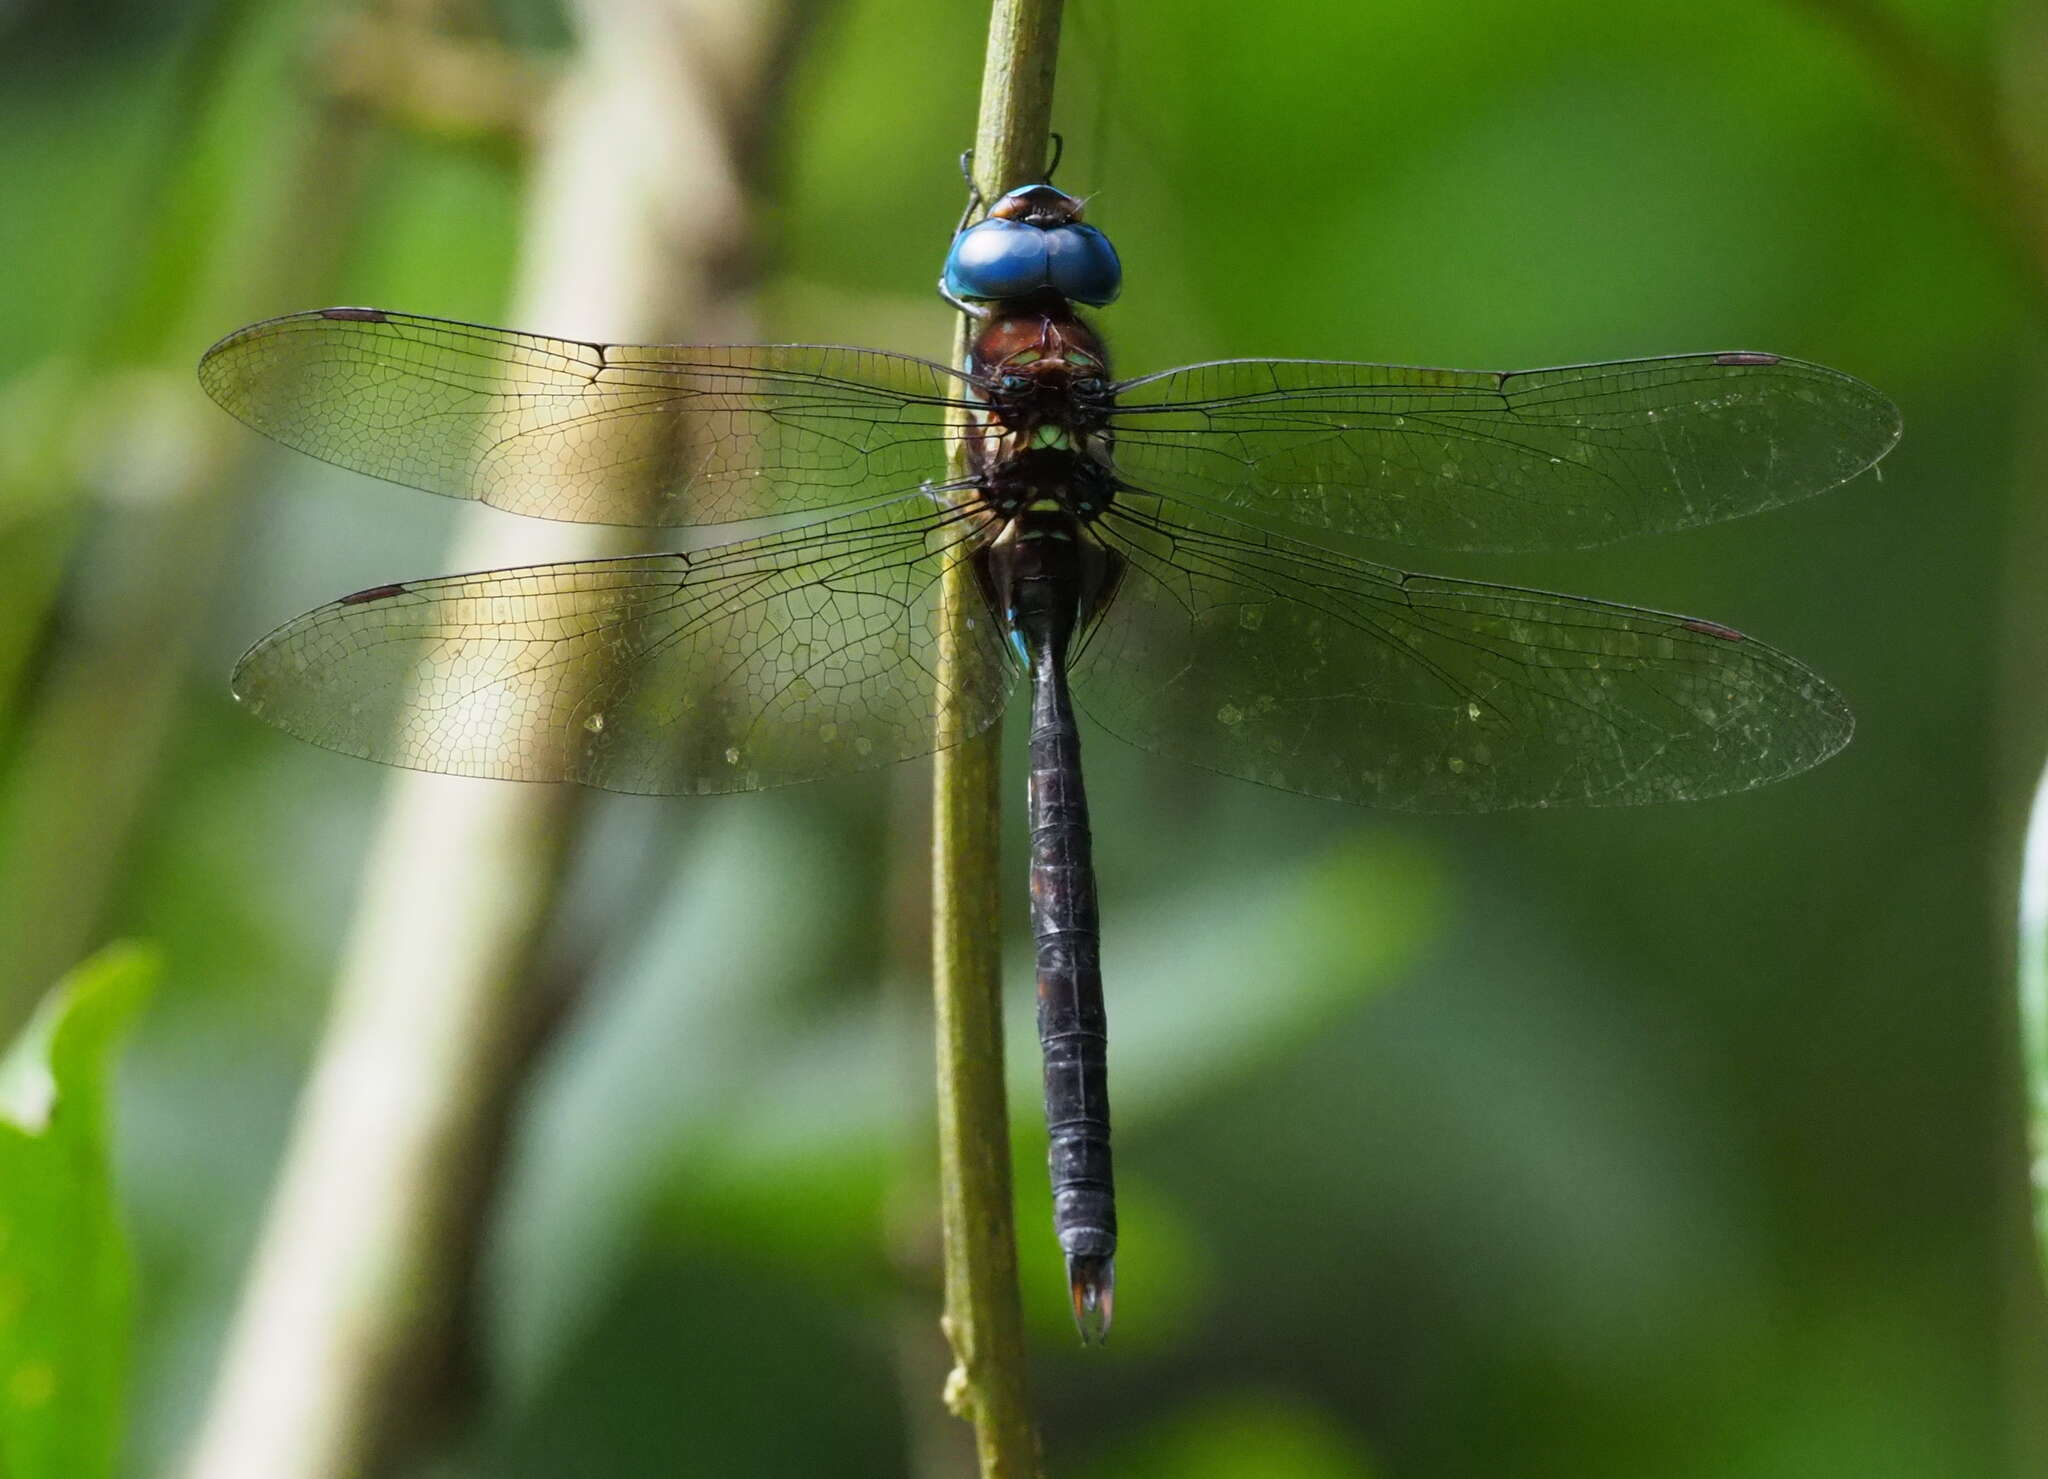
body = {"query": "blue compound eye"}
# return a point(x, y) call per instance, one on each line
point(997, 259)
point(1083, 265)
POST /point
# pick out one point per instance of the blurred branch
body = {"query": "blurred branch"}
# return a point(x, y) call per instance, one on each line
point(141, 539)
point(408, 71)
point(1962, 117)
point(366, 1255)
point(984, 1318)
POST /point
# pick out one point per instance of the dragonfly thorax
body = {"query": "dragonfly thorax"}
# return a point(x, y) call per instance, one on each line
point(1046, 577)
point(1072, 393)
point(1048, 478)
point(1044, 377)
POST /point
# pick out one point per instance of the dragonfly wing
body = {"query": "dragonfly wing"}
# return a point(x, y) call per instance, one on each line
point(660, 435)
point(1537, 459)
point(780, 659)
point(1301, 668)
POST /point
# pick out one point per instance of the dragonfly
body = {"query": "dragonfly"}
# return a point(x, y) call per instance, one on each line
point(1162, 553)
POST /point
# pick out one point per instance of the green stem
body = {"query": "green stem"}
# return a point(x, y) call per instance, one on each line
point(984, 1316)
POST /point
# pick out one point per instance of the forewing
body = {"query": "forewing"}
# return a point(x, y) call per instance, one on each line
point(1537, 459)
point(781, 659)
point(1294, 666)
point(661, 434)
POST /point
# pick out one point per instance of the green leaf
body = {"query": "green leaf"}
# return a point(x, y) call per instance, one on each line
point(2033, 986)
point(64, 1267)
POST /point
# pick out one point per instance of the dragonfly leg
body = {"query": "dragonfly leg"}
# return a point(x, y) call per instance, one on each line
point(975, 199)
point(972, 310)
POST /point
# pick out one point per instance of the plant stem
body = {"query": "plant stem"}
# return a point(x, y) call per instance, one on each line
point(984, 1316)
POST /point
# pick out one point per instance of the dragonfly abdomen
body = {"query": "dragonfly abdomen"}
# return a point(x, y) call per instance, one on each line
point(1073, 1023)
point(1044, 575)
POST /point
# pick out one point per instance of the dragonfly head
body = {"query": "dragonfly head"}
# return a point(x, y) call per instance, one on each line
point(1037, 205)
point(1033, 242)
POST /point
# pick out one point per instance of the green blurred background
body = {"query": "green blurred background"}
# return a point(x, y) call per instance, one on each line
point(1673, 1142)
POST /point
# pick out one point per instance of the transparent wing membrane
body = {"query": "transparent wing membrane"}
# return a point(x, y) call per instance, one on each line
point(1465, 460)
point(755, 664)
point(813, 651)
point(656, 435)
point(1300, 668)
